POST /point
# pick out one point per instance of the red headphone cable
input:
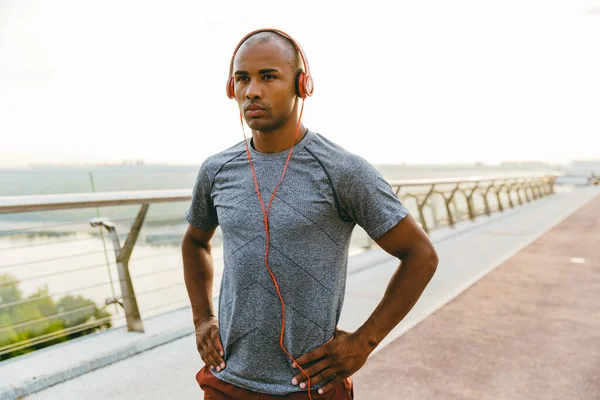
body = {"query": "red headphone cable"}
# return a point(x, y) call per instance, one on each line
point(266, 223)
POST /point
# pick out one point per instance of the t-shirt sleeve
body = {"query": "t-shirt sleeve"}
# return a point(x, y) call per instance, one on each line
point(202, 213)
point(368, 199)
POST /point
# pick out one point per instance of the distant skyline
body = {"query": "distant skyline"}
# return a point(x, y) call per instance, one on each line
point(142, 164)
point(423, 83)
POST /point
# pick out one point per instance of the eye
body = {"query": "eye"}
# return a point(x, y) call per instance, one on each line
point(241, 78)
point(269, 76)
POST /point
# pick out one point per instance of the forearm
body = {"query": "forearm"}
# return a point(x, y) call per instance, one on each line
point(198, 271)
point(406, 286)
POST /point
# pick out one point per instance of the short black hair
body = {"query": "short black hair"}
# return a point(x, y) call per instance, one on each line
point(292, 57)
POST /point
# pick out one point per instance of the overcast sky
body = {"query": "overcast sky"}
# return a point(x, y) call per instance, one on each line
point(395, 81)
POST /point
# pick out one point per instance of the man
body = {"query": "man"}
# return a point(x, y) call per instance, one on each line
point(314, 192)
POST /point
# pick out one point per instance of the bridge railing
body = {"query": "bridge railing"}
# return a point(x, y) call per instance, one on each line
point(444, 202)
point(75, 259)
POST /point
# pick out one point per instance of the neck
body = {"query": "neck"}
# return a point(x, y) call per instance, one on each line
point(280, 139)
point(277, 140)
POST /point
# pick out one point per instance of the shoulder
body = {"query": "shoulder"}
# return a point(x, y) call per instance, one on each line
point(338, 161)
point(215, 162)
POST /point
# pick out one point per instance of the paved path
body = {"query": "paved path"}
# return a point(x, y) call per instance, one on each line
point(528, 330)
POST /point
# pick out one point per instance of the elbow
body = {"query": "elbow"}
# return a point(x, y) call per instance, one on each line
point(430, 260)
point(185, 243)
point(189, 243)
point(434, 260)
point(422, 260)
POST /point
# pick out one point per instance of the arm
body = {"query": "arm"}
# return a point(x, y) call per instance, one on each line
point(418, 262)
point(198, 273)
point(347, 352)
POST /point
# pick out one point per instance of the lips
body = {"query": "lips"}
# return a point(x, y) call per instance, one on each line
point(254, 107)
point(254, 110)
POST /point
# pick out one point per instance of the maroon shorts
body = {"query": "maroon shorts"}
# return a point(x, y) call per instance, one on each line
point(216, 389)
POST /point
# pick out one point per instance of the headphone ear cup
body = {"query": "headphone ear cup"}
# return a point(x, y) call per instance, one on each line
point(230, 88)
point(304, 85)
point(300, 85)
point(308, 85)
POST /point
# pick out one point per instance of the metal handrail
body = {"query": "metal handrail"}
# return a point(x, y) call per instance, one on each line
point(86, 268)
point(53, 335)
point(47, 296)
point(471, 179)
point(43, 260)
point(32, 245)
point(45, 318)
point(47, 202)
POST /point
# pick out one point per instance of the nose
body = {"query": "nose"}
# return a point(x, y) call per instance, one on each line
point(253, 89)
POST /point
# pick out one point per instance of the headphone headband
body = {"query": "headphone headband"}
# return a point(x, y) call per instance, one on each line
point(304, 82)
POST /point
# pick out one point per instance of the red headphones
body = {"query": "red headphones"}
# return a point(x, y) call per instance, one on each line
point(304, 82)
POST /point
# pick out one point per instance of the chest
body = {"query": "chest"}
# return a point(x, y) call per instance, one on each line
point(304, 204)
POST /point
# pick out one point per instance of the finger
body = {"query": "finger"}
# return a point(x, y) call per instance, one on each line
point(312, 371)
point(203, 355)
point(219, 362)
point(218, 350)
point(330, 385)
point(217, 342)
point(317, 353)
point(209, 356)
point(320, 377)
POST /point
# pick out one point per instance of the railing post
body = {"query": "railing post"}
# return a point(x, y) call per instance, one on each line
point(534, 192)
point(508, 188)
point(534, 184)
point(448, 210)
point(434, 214)
point(540, 188)
point(129, 301)
point(517, 187)
point(420, 207)
point(469, 204)
point(524, 186)
point(486, 202)
point(498, 193)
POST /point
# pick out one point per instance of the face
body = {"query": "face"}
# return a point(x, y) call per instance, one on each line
point(264, 85)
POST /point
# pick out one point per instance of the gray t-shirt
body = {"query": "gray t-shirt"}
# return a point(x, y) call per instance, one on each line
point(325, 193)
